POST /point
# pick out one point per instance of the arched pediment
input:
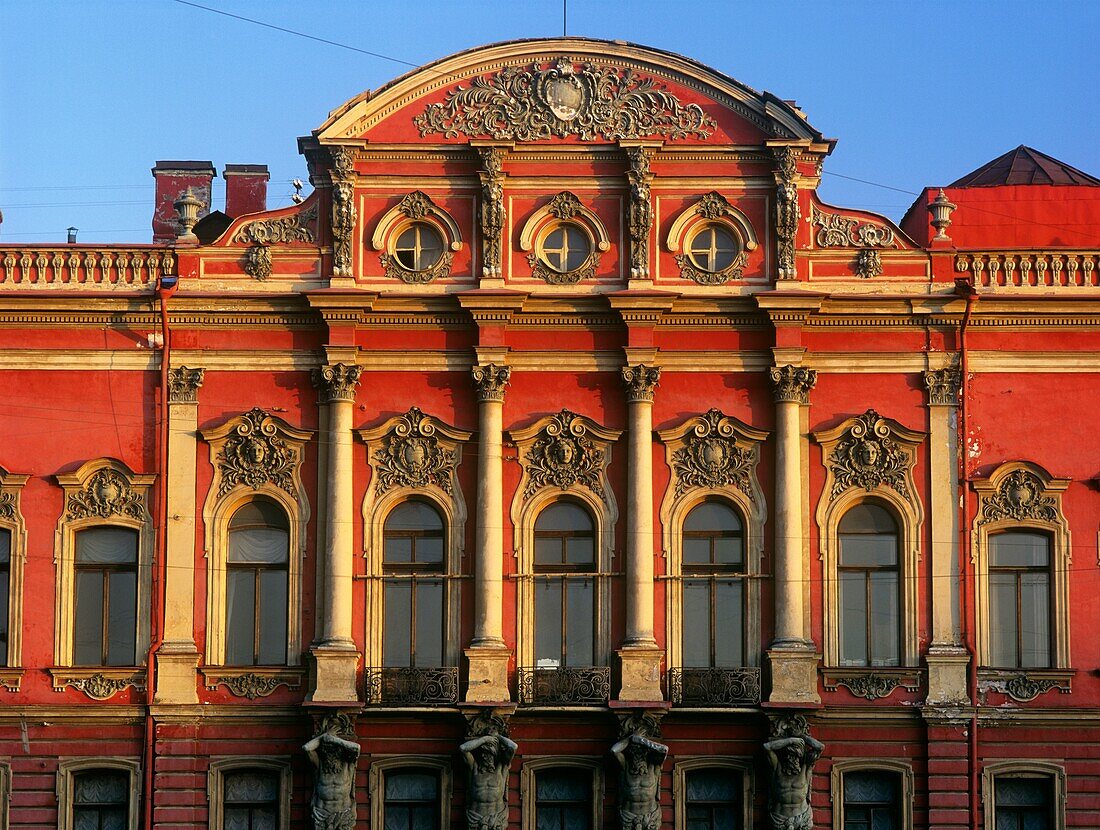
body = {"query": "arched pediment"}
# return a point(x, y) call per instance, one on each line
point(535, 90)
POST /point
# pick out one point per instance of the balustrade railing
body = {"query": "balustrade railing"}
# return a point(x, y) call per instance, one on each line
point(1035, 268)
point(714, 687)
point(407, 686)
point(565, 686)
point(81, 266)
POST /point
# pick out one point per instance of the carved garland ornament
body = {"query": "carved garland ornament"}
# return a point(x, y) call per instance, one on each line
point(279, 231)
point(872, 686)
point(544, 272)
point(836, 231)
point(531, 104)
point(252, 685)
point(411, 456)
point(107, 493)
point(1019, 496)
point(868, 456)
point(99, 686)
point(255, 454)
point(564, 456)
point(257, 262)
point(711, 457)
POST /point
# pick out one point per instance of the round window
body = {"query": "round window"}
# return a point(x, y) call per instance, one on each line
point(713, 248)
point(418, 247)
point(565, 248)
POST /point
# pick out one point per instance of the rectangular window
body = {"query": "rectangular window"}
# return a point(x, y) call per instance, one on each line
point(5, 588)
point(563, 799)
point(1019, 600)
point(250, 800)
point(413, 625)
point(1023, 803)
point(411, 800)
point(871, 800)
point(105, 622)
point(713, 800)
point(101, 800)
point(564, 622)
point(713, 619)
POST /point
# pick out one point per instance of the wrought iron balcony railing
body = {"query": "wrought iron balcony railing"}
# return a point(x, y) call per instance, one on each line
point(565, 686)
point(714, 687)
point(84, 267)
point(408, 686)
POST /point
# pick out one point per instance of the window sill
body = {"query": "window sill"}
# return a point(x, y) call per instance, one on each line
point(872, 682)
point(1024, 685)
point(98, 682)
point(10, 678)
point(252, 681)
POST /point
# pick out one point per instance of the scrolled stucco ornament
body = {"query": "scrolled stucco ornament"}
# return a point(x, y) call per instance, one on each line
point(869, 457)
point(107, 493)
point(255, 454)
point(411, 456)
point(564, 456)
point(712, 458)
point(1019, 496)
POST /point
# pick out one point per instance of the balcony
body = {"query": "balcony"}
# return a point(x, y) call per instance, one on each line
point(714, 687)
point(83, 267)
point(565, 686)
point(408, 686)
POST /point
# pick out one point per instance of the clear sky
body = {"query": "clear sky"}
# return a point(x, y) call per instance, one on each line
point(93, 93)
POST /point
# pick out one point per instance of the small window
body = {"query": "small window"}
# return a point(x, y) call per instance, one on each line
point(413, 564)
point(1023, 803)
point(565, 587)
point(714, 590)
point(714, 800)
point(411, 800)
point(566, 247)
point(101, 800)
point(418, 247)
point(563, 799)
point(5, 593)
point(250, 800)
point(872, 800)
point(870, 588)
point(1019, 600)
point(105, 622)
point(257, 585)
point(713, 248)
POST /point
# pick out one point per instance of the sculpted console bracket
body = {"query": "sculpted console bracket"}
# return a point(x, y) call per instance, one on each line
point(792, 753)
point(640, 757)
point(488, 753)
point(333, 755)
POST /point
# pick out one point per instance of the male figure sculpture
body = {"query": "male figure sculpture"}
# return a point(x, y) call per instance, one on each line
point(333, 802)
point(792, 762)
point(488, 761)
point(640, 761)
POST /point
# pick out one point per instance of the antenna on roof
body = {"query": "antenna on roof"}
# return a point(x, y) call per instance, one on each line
point(564, 18)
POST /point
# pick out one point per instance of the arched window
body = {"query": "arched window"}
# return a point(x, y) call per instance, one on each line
point(257, 585)
point(5, 593)
point(106, 578)
point(713, 567)
point(565, 568)
point(869, 580)
point(1020, 633)
point(413, 565)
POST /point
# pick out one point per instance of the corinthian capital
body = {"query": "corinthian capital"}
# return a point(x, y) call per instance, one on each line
point(336, 382)
point(943, 386)
point(490, 381)
point(792, 383)
point(640, 381)
point(184, 383)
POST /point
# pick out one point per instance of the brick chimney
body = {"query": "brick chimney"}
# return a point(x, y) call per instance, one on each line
point(173, 178)
point(245, 189)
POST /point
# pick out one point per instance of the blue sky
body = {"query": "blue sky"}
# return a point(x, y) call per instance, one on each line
point(93, 93)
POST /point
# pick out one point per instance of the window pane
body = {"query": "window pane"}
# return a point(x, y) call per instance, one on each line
point(259, 545)
point(1035, 620)
point(869, 787)
point(548, 623)
point(122, 619)
point(697, 633)
point(696, 551)
point(5, 547)
point(713, 517)
point(88, 622)
point(259, 513)
point(1002, 619)
point(728, 619)
point(728, 551)
point(397, 631)
point(101, 787)
point(414, 515)
point(885, 619)
point(240, 620)
point(429, 623)
point(853, 619)
point(548, 551)
point(398, 550)
point(1019, 549)
point(867, 550)
point(563, 785)
point(564, 516)
point(429, 550)
point(106, 545)
point(580, 622)
point(868, 518)
point(273, 617)
point(1022, 792)
point(411, 786)
point(251, 786)
point(713, 785)
point(580, 551)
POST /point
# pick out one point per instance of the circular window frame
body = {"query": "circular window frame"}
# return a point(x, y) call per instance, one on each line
point(413, 225)
point(716, 227)
point(564, 225)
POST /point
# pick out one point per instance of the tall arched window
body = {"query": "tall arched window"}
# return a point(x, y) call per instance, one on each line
point(565, 567)
point(1019, 599)
point(105, 617)
point(413, 597)
point(257, 585)
point(713, 568)
point(869, 580)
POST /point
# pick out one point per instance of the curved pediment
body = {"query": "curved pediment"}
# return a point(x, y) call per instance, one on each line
point(569, 90)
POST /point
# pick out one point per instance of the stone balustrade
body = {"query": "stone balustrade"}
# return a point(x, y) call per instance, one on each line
point(35, 266)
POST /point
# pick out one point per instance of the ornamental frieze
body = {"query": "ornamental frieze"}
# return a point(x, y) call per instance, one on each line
point(106, 493)
point(869, 457)
point(412, 456)
point(836, 231)
point(97, 685)
point(563, 100)
point(711, 457)
point(1019, 496)
point(298, 227)
point(869, 684)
